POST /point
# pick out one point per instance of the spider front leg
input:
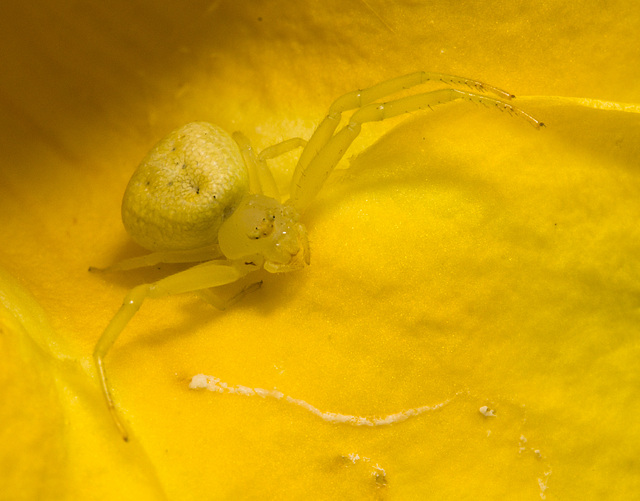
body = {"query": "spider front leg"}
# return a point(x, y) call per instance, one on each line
point(311, 179)
point(359, 98)
point(203, 276)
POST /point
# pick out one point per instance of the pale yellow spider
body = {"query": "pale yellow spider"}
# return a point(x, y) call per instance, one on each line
point(201, 195)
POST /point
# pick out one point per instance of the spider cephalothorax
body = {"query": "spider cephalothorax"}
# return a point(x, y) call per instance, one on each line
point(265, 231)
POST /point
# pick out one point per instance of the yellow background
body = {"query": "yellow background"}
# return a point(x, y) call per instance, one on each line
point(457, 254)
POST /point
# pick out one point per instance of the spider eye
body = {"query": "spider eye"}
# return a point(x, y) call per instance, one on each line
point(264, 228)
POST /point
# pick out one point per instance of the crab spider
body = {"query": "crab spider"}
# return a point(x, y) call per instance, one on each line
point(203, 196)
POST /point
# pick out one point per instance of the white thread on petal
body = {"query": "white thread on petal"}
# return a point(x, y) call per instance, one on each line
point(212, 383)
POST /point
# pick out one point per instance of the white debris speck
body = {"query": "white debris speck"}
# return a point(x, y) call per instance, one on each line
point(198, 381)
point(486, 412)
point(522, 447)
point(379, 474)
point(542, 482)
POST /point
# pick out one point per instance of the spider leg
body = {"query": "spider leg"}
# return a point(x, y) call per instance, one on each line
point(202, 276)
point(313, 177)
point(180, 256)
point(260, 176)
point(261, 179)
point(281, 148)
point(359, 98)
point(222, 303)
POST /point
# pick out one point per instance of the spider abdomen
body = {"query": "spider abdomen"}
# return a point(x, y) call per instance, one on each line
point(185, 187)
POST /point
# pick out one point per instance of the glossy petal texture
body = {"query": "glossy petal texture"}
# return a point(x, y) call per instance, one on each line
point(458, 257)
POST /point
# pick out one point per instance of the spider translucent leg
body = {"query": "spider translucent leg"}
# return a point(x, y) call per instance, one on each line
point(313, 177)
point(222, 303)
point(180, 256)
point(205, 275)
point(281, 148)
point(358, 98)
point(260, 177)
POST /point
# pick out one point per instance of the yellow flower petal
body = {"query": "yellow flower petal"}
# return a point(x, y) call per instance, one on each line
point(470, 276)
